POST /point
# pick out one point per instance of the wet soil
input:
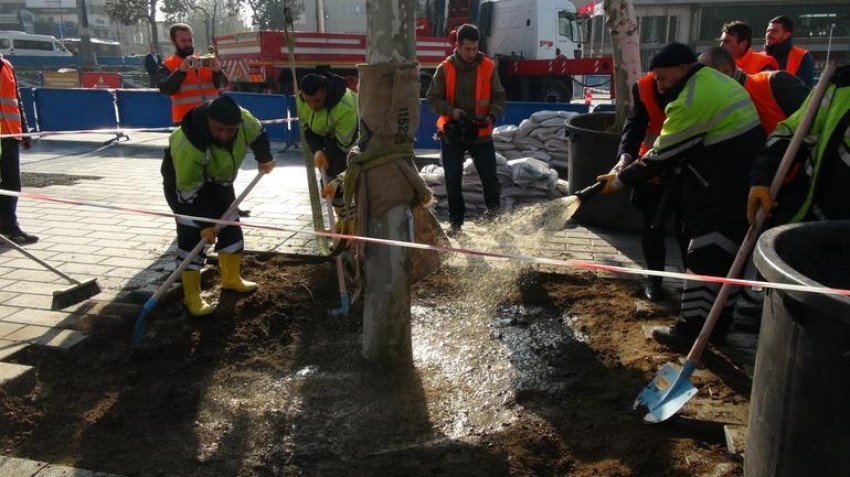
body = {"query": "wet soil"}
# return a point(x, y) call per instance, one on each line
point(517, 372)
point(44, 179)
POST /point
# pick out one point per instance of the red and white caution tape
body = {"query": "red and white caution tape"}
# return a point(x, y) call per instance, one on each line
point(122, 131)
point(564, 263)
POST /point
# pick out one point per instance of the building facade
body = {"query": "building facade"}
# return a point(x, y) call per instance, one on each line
point(699, 24)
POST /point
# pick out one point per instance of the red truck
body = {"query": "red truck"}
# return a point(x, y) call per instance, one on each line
point(536, 44)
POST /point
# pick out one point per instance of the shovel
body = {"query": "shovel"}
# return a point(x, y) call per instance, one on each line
point(76, 293)
point(344, 300)
point(561, 210)
point(141, 320)
point(671, 388)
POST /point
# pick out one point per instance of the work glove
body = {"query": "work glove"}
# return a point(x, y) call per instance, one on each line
point(265, 167)
point(612, 183)
point(759, 198)
point(320, 160)
point(329, 190)
point(625, 160)
point(208, 234)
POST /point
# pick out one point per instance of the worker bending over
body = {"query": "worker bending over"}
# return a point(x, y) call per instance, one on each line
point(327, 110)
point(198, 171)
point(712, 133)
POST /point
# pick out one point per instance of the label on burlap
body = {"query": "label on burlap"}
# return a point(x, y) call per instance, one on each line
point(388, 98)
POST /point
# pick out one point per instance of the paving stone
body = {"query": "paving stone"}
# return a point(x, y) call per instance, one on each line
point(16, 378)
point(54, 319)
point(29, 300)
point(4, 297)
point(43, 275)
point(46, 336)
point(13, 466)
point(9, 348)
point(30, 287)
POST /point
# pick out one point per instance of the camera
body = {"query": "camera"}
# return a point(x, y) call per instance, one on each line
point(461, 130)
point(202, 61)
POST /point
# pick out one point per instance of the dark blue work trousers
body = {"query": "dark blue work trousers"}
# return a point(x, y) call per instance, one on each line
point(10, 179)
point(484, 157)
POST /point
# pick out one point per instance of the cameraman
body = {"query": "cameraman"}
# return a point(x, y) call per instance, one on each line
point(187, 78)
point(467, 94)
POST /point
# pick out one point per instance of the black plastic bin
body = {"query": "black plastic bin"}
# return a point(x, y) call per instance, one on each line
point(800, 404)
point(593, 151)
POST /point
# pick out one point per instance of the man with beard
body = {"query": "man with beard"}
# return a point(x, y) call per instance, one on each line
point(327, 110)
point(198, 171)
point(467, 94)
point(779, 43)
point(187, 78)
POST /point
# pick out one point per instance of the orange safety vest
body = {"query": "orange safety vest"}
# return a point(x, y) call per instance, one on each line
point(756, 61)
point(647, 90)
point(197, 87)
point(760, 91)
point(483, 74)
point(10, 110)
point(795, 57)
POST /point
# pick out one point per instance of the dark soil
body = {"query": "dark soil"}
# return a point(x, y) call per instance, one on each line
point(44, 179)
point(537, 381)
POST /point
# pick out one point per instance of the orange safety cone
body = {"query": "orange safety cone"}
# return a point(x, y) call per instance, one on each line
point(587, 96)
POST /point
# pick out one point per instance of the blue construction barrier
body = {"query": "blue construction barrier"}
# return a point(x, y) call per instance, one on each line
point(516, 111)
point(75, 109)
point(264, 107)
point(120, 60)
point(28, 103)
point(59, 109)
point(143, 108)
point(45, 62)
point(424, 138)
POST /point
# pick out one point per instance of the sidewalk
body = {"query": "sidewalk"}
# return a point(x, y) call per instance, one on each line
point(130, 254)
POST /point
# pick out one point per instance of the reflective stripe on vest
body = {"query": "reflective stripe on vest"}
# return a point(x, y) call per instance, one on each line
point(647, 93)
point(196, 88)
point(483, 75)
point(795, 57)
point(10, 111)
point(760, 91)
point(756, 61)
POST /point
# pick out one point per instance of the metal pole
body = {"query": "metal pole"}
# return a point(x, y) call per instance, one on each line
point(86, 51)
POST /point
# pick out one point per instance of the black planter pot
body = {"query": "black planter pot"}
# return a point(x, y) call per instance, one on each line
point(593, 152)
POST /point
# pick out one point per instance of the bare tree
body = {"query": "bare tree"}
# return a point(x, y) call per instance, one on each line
point(622, 24)
point(134, 12)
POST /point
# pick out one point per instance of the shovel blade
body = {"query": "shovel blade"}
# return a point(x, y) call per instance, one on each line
point(667, 393)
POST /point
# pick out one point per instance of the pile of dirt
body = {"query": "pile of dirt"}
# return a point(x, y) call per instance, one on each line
point(517, 372)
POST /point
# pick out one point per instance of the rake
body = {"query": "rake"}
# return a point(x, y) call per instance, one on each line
point(79, 291)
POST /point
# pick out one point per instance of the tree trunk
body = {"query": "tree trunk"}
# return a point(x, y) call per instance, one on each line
point(86, 51)
point(390, 46)
point(154, 28)
point(622, 24)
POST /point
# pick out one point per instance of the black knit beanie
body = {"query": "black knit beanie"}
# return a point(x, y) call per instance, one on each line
point(673, 54)
point(224, 110)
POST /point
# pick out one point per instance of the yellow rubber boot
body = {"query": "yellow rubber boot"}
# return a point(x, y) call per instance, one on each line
point(192, 294)
point(231, 279)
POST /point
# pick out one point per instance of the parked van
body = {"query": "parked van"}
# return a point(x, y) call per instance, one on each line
point(29, 44)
